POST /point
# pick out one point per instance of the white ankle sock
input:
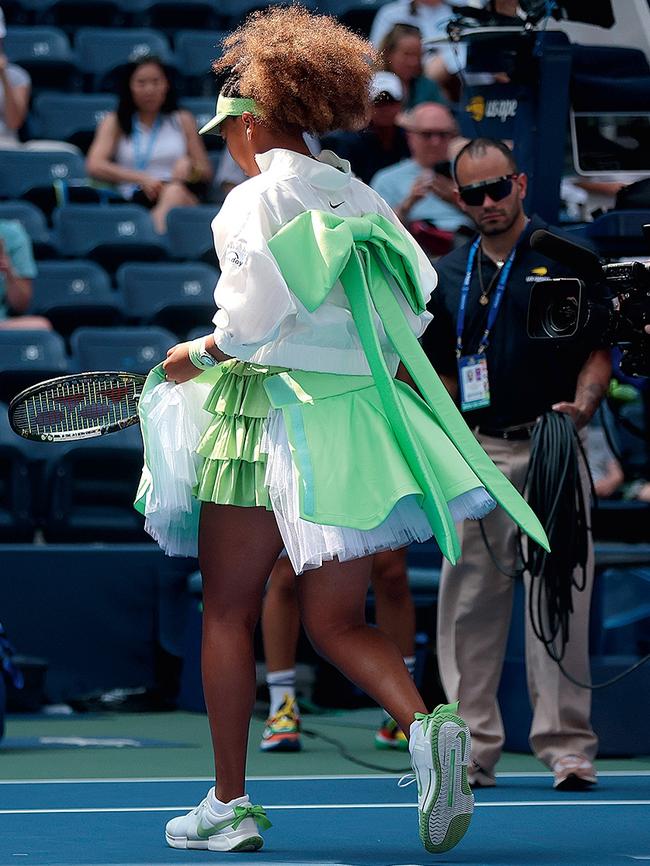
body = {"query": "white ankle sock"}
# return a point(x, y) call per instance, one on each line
point(281, 684)
point(219, 807)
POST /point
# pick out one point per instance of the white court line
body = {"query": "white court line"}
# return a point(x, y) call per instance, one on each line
point(319, 806)
point(210, 779)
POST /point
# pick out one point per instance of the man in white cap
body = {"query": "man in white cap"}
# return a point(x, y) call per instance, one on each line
point(382, 143)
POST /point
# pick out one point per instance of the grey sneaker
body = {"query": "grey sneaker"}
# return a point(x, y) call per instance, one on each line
point(440, 747)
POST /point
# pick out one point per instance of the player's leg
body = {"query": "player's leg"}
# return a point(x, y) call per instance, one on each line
point(332, 603)
point(395, 616)
point(237, 550)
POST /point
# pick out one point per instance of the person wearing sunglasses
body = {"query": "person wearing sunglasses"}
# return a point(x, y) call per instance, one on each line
point(413, 187)
point(504, 381)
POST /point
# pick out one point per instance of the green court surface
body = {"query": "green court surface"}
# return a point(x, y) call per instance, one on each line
point(177, 745)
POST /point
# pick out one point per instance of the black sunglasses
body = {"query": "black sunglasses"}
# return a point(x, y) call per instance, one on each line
point(497, 188)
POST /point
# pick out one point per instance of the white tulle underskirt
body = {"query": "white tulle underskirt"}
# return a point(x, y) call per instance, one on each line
point(176, 422)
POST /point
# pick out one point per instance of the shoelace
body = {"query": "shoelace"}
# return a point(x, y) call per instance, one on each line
point(406, 780)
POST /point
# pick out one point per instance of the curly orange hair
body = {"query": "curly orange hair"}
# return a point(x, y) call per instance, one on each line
point(305, 71)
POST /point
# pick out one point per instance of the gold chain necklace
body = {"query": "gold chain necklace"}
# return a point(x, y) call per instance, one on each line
point(484, 297)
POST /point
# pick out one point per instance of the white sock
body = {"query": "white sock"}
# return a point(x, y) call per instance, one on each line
point(409, 661)
point(219, 807)
point(281, 684)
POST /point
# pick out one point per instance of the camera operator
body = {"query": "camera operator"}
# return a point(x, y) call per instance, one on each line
point(479, 330)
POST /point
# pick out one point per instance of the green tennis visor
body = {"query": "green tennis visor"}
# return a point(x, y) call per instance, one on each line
point(229, 106)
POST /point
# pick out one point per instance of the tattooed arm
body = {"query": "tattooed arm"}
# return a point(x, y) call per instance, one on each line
point(590, 389)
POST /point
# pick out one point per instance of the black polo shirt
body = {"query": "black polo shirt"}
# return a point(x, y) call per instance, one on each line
point(526, 376)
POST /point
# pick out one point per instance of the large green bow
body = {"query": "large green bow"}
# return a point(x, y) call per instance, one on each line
point(375, 263)
point(257, 813)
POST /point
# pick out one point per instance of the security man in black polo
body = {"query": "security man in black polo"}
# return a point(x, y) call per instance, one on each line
point(504, 381)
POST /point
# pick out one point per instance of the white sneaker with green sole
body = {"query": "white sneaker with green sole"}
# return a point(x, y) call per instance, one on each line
point(234, 829)
point(440, 748)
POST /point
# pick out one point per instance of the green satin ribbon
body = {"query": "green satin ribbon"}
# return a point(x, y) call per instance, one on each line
point(375, 262)
point(257, 813)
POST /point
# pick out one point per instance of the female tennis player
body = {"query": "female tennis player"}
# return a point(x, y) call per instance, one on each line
point(306, 439)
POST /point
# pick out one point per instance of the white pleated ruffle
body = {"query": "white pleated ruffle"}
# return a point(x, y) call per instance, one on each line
point(308, 544)
point(175, 422)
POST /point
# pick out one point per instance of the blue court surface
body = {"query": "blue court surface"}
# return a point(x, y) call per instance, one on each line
point(327, 821)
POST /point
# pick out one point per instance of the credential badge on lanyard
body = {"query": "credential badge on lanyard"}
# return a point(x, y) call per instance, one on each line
point(473, 379)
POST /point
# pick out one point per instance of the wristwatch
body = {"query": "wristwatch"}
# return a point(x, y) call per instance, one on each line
point(207, 359)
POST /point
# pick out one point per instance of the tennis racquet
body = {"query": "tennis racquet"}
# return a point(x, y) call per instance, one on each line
point(76, 407)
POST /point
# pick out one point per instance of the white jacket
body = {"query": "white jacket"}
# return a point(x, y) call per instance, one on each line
point(259, 319)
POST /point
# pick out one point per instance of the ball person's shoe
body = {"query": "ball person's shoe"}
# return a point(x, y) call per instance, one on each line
point(282, 731)
point(236, 829)
point(391, 736)
point(573, 773)
point(478, 777)
point(440, 748)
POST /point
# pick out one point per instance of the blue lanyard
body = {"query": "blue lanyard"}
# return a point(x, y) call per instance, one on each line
point(496, 300)
point(143, 158)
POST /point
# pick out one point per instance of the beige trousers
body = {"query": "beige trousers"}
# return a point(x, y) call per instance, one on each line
point(474, 611)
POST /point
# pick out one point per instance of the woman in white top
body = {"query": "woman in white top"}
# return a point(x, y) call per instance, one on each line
point(297, 448)
point(149, 147)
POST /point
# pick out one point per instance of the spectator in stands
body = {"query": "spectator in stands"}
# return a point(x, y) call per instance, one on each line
point(414, 188)
point(428, 16)
point(382, 143)
point(17, 269)
point(15, 89)
point(400, 52)
point(149, 147)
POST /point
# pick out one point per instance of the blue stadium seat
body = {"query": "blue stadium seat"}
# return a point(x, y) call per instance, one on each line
point(195, 50)
point(70, 117)
point(72, 14)
point(189, 233)
point(171, 15)
point(47, 178)
point(46, 54)
point(16, 506)
point(131, 350)
point(21, 171)
point(176, 296)
point(108, 235)
point(102, 51)
point(619, 233)
point(73, 294)
point(91, 486)
point(27, 357)
point(34, 223)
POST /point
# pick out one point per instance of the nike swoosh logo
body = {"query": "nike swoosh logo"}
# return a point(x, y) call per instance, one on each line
point(204, 832)
point(336, 205)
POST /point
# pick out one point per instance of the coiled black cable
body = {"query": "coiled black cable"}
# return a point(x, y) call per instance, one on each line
point(556, 493)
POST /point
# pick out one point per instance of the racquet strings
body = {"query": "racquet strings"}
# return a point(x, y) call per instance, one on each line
point(78, 405)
